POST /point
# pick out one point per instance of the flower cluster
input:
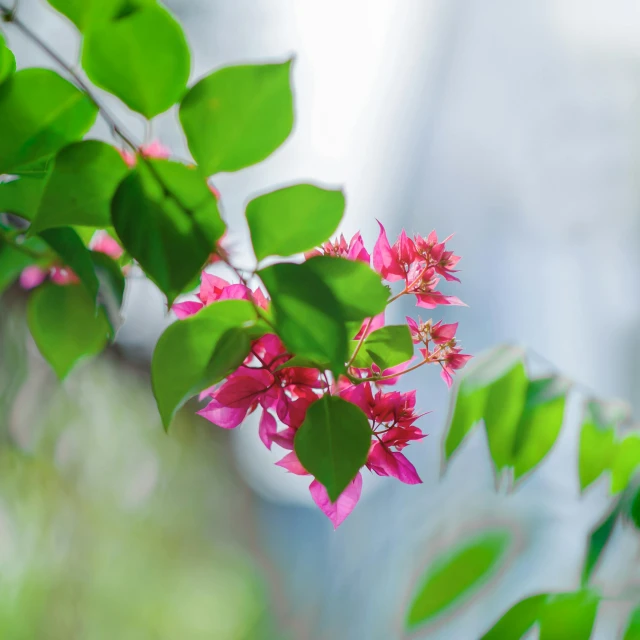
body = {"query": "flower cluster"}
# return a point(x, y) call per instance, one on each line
point(284, 394)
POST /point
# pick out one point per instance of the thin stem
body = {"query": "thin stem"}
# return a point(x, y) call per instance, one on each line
point(362, 339)
point(390, 376)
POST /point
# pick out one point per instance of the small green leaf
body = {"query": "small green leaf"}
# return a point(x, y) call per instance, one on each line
point(86, 13)
point(46, 113)
point(305, 363)
point(307, 315)
point(387, 347)
point(142, 57)
point(632, 632)
point(168, 220)
point(333, 443)
point(185, 360)
point(12, 262)
point(625, 462)
point(84, 177)
point(7, 61)
point(455, 575)
point(598, 540)
point(237, 116)
point(73, 254)
point(569, 615)
point(65, 326)
point(293, 219)
point(22, 197)
point(518, 620)
point(540, 422)
point(356, 286)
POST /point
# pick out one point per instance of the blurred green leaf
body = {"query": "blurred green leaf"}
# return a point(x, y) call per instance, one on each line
point(597, 542)
point(632, 632)
point(569, 615)
point(7, 61)
point(46, 113)
point(308, 317)
point(86, 13)
point(293, 219)
point(597, 445)
point(356, 286)
point(12, 262)
point(22, 197)
point(237, 116)
point(65, 326)
point(83, 179)
point(540, 422)
point(188, 358)
point(625, 462)
point(387, 347)
point(333, 442)
point(518, 620)
point(141, 57)
point(455, 575)
point(168, 220)
point(111, 291)
point(301, 361)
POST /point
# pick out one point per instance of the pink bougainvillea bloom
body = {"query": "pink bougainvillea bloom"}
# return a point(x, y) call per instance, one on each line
point(154, 149)
point(32, 277)
point(102, 242)
point(291, 463)
point(434, 252)
point(63, 275)
point(393, 263)
point(453, 361)
point(369, 325)
point(385, 462)
point(443, 333)
point(355, 250)
point(337, 511)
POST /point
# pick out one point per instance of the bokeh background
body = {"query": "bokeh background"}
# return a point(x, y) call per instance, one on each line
point(514, 125)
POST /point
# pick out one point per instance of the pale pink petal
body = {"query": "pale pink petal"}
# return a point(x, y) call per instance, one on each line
point(393, 464)
point(260, 299)
point(155, 149)
point(222, 416)
point(185, 309)
point(63, 275)
point(291, 463)
point(396, 371)
point(128, 157)
point(285, 438)
point(235, 292)
point(377, 322)
point(384, 261)
point(32, 276)
point(446, 376)
point(337, 511)
point(102, 242)
point(211, 287)
point(357, 250)
point(267, 429)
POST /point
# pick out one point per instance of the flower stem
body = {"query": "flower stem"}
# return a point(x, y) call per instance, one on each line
point(363, 337)
point(388, 377)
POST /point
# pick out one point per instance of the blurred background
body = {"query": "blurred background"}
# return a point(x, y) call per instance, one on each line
point(514, 125)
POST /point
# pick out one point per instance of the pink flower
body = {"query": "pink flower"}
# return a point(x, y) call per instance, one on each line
point(385, 462)
point(62, 275)
point(434, 252)
point(369, 325)
point(393, 263)
point(337, 511)
point(102, 242)
point(355, 250)
point(452, 361)
point(32, 277)
point(154, 149)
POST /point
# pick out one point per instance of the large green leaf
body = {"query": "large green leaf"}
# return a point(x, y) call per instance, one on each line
point(142, 57)
point(356, 286)
point(308, 317)
point(12, 262)
point(65, 326)
point(168, 220)
point(73, 254)
point(387, 347)
point(46, 113)
point(22, 197)
point(196, 352)
point(84, 177)
point(625, 463)
point(518, 620)
point(237, 116)
point(333, 442)
point(632, 631)
point(540, 422)
point(86, 13)
point(456, 575)
point(7, 61)
point(597, 542)
point(293, 219)
point(569, 615)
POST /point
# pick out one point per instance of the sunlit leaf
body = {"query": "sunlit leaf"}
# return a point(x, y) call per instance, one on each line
point(83, 179)
point(632, 631)
point(569, 615)
point(333, 442)
point(597, 542)
point(7, 61)
point(518, 620)
point(293, 219)
point(625, 462)
point(237, 116)
point(454, 576)
point(86, 13)
point(387, 347)
point(46, 113)
point(141, 57)
point(65, 325)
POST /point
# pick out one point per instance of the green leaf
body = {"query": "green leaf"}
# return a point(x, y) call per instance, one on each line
point(625, 462)
point(73, 254)
point(356, 286)
point(85, 13)
point(387, 347)
point(305, 363)
point(191, 354)
point(494, 388)
point(168, 220)
point(7, 61)
point(308, 317)
point(237, 116)
point(632, 632)
point(46, 113)
point(598, 540)
point(333, 442)
point(540, 422)
point(22, 197)
point(518, 620)
point(65, 326)
point(111, 292)
point(12, 262)
point(569, 615)
point(455, 575)
point(84, 177)
point(143, 58)
point(293, 219)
